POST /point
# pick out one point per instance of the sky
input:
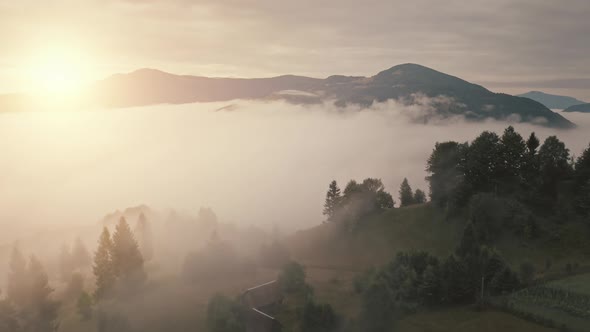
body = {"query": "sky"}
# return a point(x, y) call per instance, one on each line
point(510, 46)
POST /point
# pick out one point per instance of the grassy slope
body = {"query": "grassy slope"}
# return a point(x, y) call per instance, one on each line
point(335, 287)
point(467, 320)
point(577, 284)
point(170, 304)
point(378, 239)
point(424, 227)
point(333, 257)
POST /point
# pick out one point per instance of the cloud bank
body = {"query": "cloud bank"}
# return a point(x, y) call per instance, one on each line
point(261, 163)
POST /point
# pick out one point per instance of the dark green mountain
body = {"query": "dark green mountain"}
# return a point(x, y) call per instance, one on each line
point(552, 101)
point(408, 83)
point(583, 108)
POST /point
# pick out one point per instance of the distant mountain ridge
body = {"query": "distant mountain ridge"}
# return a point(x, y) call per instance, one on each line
point(583, 108)
point(405, 83)
point(411, 84)
point(552, 101)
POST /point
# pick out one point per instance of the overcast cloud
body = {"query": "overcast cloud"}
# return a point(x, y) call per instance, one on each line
point(525, 41)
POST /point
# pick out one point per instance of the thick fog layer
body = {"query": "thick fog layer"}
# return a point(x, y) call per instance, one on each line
point(252, 162)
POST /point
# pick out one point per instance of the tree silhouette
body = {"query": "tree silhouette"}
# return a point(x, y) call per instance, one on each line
point(512, 151)
point(333, 199)
point(554, 164)
point(419, 197)
point(582, 174)
point(127, 259)
point(17, 289)
point(103, 265)
point(406, 196)
point(445, 174)
point(40, 311)
point(532, 144)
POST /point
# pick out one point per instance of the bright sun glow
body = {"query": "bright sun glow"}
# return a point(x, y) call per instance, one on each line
point(56, 71)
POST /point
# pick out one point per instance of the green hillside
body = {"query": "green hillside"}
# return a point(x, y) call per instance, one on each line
point(423, 227)
point(378, 238)
point(334, 256)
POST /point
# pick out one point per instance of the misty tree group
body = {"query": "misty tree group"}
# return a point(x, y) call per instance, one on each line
point(357, 200)
point(28, 305)
point(509, 183)
point(78, 258)
point(542, 175)
point(118, 267)
point(118, 261)
point(415, 280)
point(407, 197)
point(362, 199)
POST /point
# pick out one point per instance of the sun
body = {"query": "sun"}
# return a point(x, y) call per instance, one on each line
point(56, 70)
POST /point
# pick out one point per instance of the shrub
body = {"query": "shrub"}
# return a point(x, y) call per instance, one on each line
point(84, 306)
point(292, 279)
point(225, 315)
point(527, 273)
point(318, 318)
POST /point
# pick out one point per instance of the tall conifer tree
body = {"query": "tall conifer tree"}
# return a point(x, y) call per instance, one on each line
point(127, 259)
point(333, 199)
point(103, 265)
point(406, 196)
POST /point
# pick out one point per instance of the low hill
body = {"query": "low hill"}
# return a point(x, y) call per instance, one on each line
point(584, 108)
point(552, 101)
point(424, 227)
point(378, 239)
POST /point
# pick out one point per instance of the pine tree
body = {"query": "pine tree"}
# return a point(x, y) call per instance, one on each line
point(103, 265)
point(483, 164)
point(333, 199)
point(582, 169)
point(40, 311)
point(406, 196)
point(445, 174)
point(419, 197)
point(17, 290)
point(80, 255)
point(554, 164)
point(532, 144)
point(512, 151)
point(532, 163)
point(143, 230)
point(127, 259)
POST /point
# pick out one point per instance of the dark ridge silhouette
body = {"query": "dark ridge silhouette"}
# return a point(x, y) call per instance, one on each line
point(406, 82)
point(410, 84)
point(552, 101)
point(583, 108)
